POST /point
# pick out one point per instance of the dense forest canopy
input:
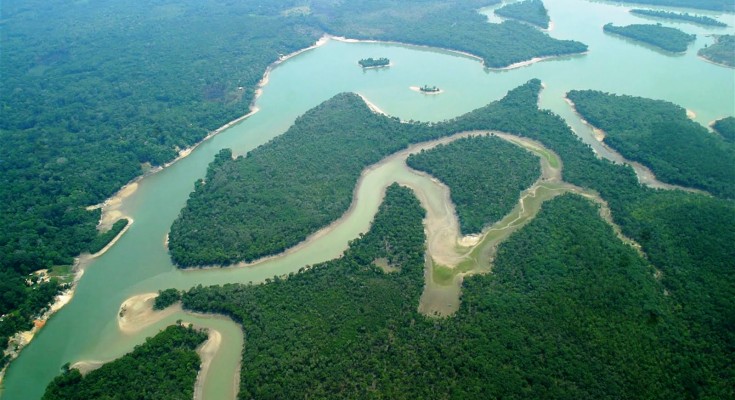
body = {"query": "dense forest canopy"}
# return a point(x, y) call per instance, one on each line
point(94, 94)
point(659, 134)
point(531, 11)
point(663, 37)
point(624, 326)
point(498, 172)
point(164, 367)
point(726, 128)
point(722, 51)
point(697, 19)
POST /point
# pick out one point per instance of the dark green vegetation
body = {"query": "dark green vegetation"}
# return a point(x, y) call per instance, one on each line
point(282, 191)
point(716, 5)
point(103, 239)
point(663, 37)
point(531, 11)
point(374, 62)
point(166, 298)
point(164, 367)
point(726, 128)
point(486, 175)
point(659, 134)
point(22, 299)
point(569, 311)
point(697, 19)
point(722, 51)
point(93, 94)
point(429, 89)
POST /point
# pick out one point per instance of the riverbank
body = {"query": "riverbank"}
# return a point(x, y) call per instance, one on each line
point(644, 174)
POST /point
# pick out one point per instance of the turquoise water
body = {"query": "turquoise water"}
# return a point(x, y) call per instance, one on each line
point(87, 328)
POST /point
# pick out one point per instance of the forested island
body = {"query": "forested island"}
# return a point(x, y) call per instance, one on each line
point(622, 325)
point(429, 89)
point(715, 5)
point(531, 11)
point(164, 367)
point(697, 19)
point(659, 135)
point(721, 52)
point(498, 170)
point(74, 134)
point(374, 62)
point(662, 37)
point(726, 128)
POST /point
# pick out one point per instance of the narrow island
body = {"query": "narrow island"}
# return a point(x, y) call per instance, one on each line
point(374, 62)
point(722, 52)
point(426, 89)
point(662, 37)
point(686, 17)
point(529, 11)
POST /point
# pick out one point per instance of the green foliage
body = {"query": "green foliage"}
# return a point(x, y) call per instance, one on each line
point(374, 62)
point(447, 24)
point(485, 176)
point(281, 192)
point(663, 37)
point(20, 303)
point(166, 298)
point(93, 94)
point(722, 51)
point(344, 329)
point(164, 367)
point(726, 128)
point(531, 11)
point(103, 239)
point(697, 19)
point(659, 135)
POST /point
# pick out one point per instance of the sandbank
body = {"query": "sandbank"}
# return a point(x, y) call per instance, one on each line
point(691, 114)
point(372, 105)
point(87, 366)
point(206, 352)
point(644, 174)
point(137, 313)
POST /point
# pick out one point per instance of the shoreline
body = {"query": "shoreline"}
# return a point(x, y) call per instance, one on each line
point(715, 62)
point(644, 174)
point(111, 213)
point(137, 313)
point(418, 90)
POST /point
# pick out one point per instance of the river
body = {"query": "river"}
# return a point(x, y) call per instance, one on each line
point(87, 329)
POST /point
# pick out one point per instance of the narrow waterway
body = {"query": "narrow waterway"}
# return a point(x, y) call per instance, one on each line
point(87, 328)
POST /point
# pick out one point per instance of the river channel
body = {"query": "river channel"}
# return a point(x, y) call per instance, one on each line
point(87, 328)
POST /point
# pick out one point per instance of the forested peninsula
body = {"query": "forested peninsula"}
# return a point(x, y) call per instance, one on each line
point(531, 11)
point(686, 17)
point(726, 128)
point(686, 238)
point(715, 5)
point(662, 37)
point(659, 135)
point(96, 94)
point(164, 367)
point(498, 170)
point(721, 52)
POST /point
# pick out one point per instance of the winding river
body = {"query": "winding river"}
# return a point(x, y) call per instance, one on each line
point(87, 328)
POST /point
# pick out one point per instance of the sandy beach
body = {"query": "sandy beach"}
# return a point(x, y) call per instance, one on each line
point(137, 313)
point(206, 352)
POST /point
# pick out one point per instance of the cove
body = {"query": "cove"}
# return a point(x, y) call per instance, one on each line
point(86, 329)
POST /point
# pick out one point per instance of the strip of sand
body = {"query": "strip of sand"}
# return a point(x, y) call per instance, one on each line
point(418, 89)
point(206, 352)
point(137, 313)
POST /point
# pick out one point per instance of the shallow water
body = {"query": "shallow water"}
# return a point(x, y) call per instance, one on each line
point(87, 329)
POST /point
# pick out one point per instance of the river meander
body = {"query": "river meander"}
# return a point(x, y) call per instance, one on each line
point(87, 328)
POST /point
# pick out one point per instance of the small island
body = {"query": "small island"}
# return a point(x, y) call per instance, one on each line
point(374, 62)
point(426, 89)
point(662, 37)
point(695, 19)
point(722, 52)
